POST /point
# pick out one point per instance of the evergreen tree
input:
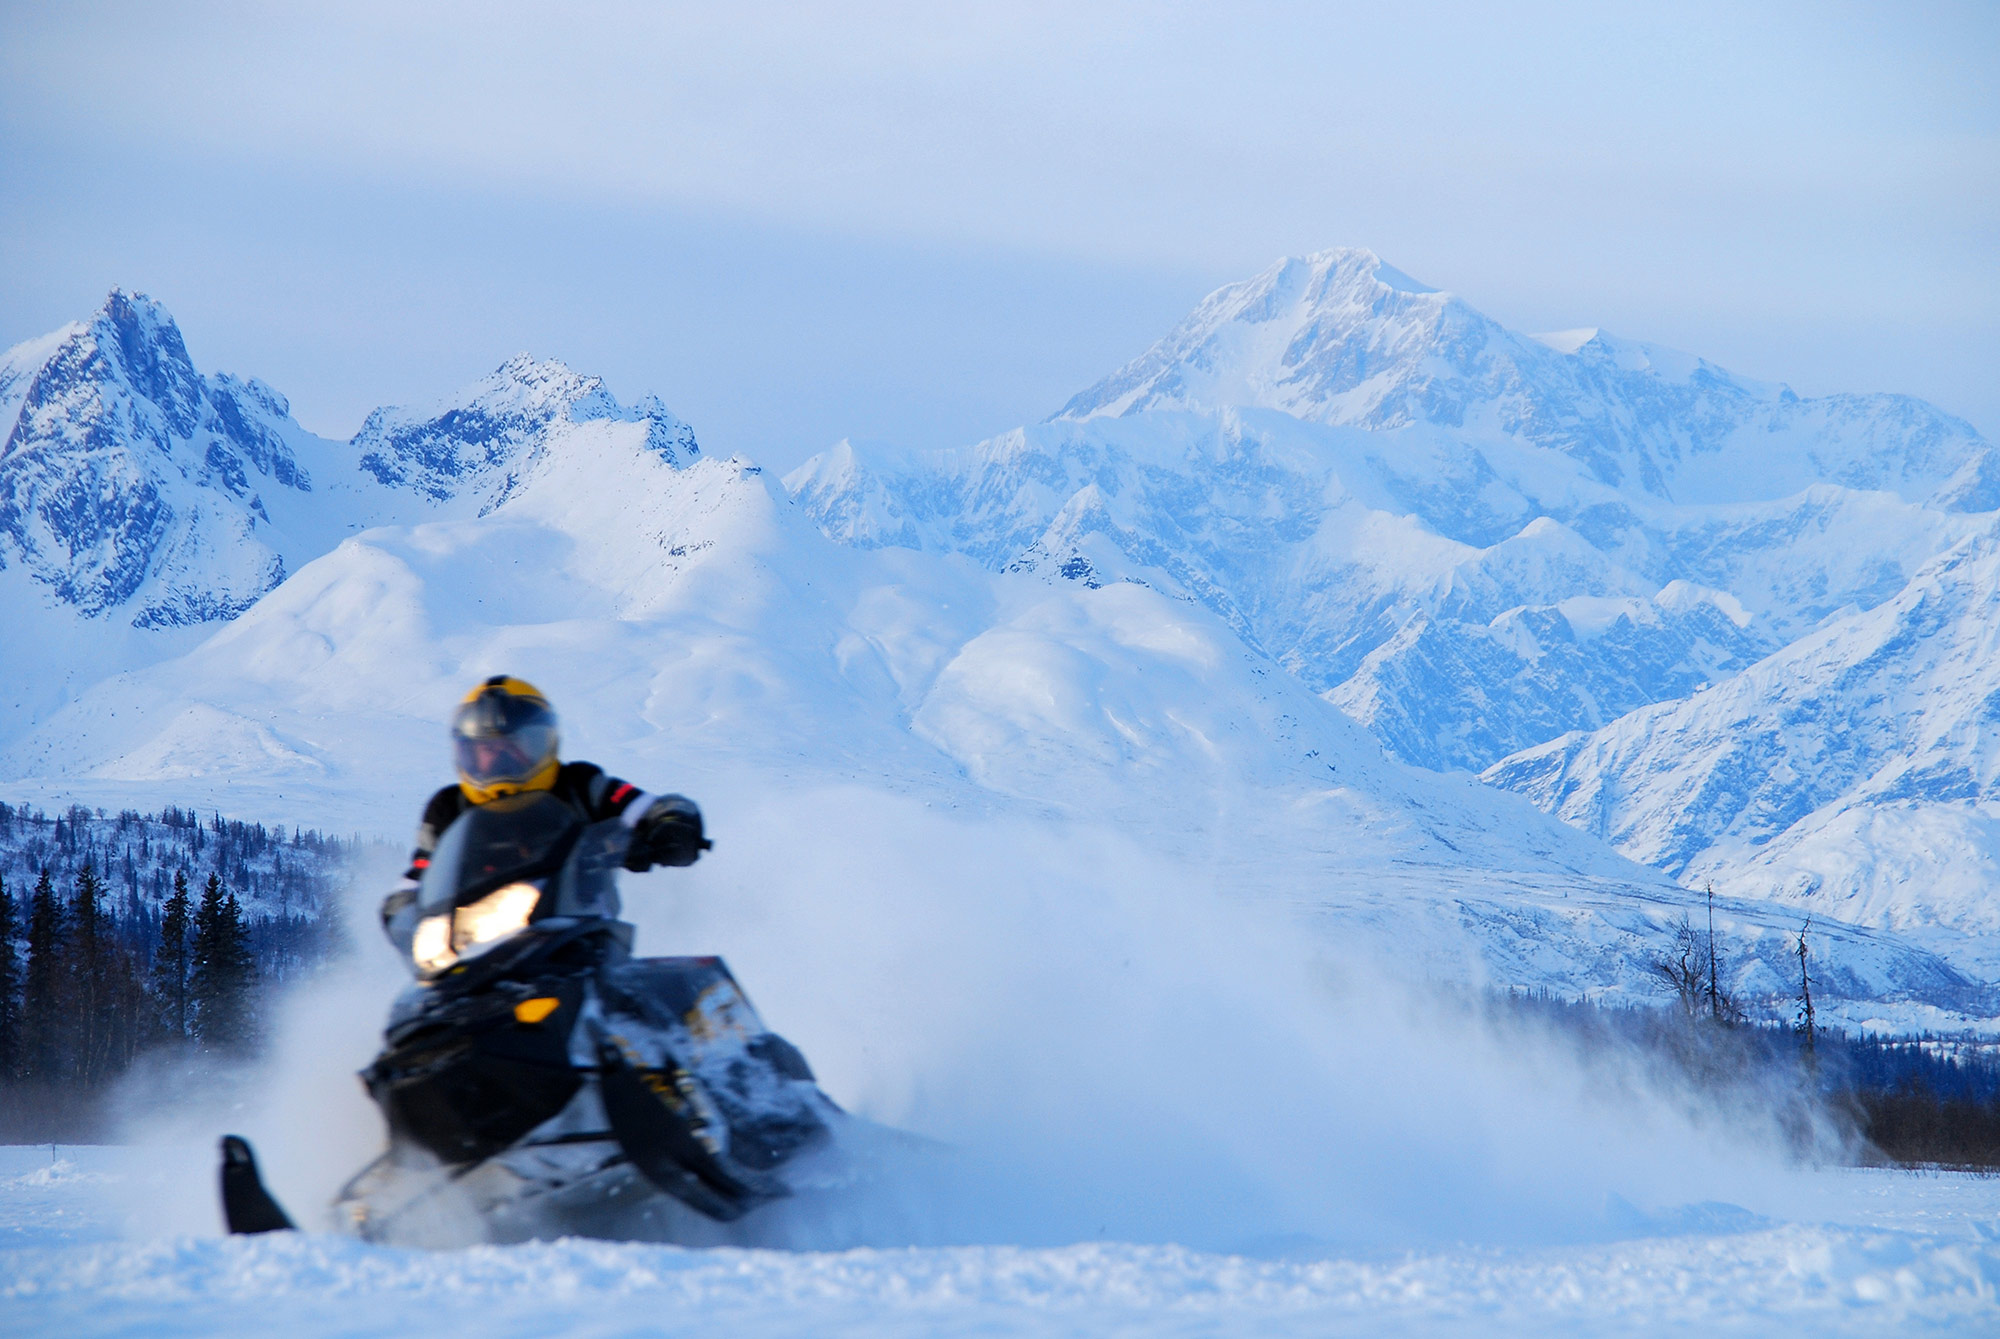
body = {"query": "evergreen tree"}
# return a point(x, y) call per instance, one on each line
point(10, 990)
point(223, 971)
point(170, 962)
point(125, 1008)
point(42, 992)
point(85, 960)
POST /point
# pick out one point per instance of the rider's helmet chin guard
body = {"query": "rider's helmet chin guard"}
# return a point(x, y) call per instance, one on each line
point(503, 739)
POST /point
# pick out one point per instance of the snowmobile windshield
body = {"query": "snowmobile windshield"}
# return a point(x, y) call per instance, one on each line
point(501, 842)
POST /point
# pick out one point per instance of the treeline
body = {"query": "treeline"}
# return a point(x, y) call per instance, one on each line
point(138, 933)
point(1929, 1101)
point(284, 880)
point(1925, 1100)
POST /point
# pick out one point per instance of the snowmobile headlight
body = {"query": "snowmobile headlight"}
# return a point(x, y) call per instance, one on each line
point(475, 927)
point(493, 917)
point(431, 945)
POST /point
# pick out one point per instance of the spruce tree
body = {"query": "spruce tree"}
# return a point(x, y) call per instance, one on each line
point(170, 962)
point(223, 972)
point(85, 960)
point(42, 990)
point(127, 1009)
point(10, 990)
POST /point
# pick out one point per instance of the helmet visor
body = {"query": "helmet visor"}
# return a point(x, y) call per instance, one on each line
point(497, 738)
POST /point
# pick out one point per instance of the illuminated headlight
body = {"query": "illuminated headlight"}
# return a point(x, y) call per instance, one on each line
point(441, 941)
point(431, 945)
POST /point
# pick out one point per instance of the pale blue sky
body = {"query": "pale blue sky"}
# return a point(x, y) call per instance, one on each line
point(930, 223)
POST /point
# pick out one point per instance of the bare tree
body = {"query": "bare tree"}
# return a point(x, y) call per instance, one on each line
point(1805, 1024)
point(1693, 967)
point(1714, 977)
point(1681, 967)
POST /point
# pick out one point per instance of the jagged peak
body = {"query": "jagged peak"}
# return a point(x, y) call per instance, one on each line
point(1273, 340)
point(524, 387)
point(495, 427)
point(143, 332)
point(129, 304)
point(1298, 286)
point(1350, 264)
point(549, 375)
point(130, 344)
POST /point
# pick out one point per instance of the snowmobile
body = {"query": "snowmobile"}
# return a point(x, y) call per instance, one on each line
point(538, 1080)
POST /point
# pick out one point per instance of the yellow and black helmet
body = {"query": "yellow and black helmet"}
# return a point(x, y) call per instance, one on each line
point(503, 737)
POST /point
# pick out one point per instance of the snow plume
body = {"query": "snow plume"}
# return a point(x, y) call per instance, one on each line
point(1116, 1051)
point(1105, 1046)
point(300, 1102)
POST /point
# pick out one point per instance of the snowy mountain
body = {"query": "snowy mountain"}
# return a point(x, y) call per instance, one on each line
point(479, 443)
point(1472, 540)
point(141, 501)
point(1341, 338)
point(705, 636)
point(129, 481)
point(1856, 772)
point(1477, 542)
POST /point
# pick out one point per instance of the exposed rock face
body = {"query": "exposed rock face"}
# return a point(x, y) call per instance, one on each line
point(130, 482)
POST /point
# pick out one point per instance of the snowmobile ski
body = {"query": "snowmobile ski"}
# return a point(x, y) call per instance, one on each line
point(246, 1206)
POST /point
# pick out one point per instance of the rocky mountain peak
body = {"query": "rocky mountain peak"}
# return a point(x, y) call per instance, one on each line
point(480, 441)
point(129, 479)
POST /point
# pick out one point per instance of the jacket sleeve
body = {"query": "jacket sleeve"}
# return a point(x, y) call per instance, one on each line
point(666, 828)
point(605, 796)
point(444, 806)
point(399, 907)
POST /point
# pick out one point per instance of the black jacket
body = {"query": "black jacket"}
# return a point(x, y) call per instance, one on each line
point(584, 786)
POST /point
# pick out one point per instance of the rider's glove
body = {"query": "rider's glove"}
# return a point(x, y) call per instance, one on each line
point(668, 832)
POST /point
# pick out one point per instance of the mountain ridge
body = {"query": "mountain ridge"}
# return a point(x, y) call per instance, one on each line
point(1340, 338)
point(1126, 619)
point(130, 482)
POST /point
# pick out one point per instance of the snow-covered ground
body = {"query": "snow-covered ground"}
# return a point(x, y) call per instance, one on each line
point(1154, 1111)
point(1875, 1253)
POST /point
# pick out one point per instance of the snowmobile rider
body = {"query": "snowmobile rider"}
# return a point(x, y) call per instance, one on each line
point(504, 741)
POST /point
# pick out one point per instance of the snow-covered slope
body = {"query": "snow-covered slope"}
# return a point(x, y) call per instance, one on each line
point(1856, 771)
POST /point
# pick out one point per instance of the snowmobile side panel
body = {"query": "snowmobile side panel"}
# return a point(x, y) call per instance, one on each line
point(247, 1207)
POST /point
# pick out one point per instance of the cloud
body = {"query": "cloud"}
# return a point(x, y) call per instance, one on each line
point(1800, 192)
